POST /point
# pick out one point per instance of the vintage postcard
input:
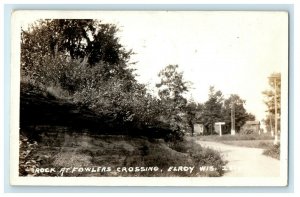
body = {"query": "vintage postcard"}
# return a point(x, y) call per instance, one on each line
point(149, 98)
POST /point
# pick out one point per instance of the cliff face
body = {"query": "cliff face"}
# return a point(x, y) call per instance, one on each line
point(40, 109)
point(40, 112)
point(61, 135)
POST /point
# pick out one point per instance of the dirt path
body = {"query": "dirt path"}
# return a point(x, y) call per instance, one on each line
point(245, 162)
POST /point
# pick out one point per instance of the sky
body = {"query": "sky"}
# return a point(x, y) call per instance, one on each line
point(233, 51)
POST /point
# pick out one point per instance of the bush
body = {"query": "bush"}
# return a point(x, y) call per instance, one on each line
point(273, 151)
point(201, 156)
point(27, 158)
point(247, 131)
point(111, 95)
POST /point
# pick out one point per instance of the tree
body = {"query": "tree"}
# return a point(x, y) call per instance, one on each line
point(193, 113)
point(212, 110)
point(269, 95)
point(273, 103)
point(85, 39)
point(241, 115)
point(171, 90)
point(218, 109)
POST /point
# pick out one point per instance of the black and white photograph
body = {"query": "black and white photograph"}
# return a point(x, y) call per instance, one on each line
point(149, 98)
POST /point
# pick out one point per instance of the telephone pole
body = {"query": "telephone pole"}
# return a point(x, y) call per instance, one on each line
point(275, 77)
point(232, 118)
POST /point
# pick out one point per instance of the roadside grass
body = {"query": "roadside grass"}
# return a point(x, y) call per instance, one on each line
point(273, 151)
point(237, 137)
point(251, 143)
point(83, 150)
point(263, 141)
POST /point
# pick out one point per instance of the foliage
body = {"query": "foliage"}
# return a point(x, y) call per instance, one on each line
point(241, 115)
point(201, 156)
point(172, 85)
point(192, 110)
point(52, 73)
point(83, 61)
point(248, 131)
point(171, 90)
point(212, 110)
point(123, 151)
point(218, 109)
point(269, 94)
point(269, 100)
point(118, 98)
point(55, 51)
point(27, 159)
point(74, 38)
point(273, 151)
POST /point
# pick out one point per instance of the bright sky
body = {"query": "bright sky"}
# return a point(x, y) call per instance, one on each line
point(233, 51)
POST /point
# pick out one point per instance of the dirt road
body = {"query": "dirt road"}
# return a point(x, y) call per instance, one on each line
point(245, 162)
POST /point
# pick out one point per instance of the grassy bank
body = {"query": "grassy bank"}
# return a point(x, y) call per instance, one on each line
point(273, 151)
point(119, 152)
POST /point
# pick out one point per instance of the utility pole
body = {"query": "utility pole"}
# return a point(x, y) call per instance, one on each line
point(232, 118)
point(275, 103)
point(271, 126)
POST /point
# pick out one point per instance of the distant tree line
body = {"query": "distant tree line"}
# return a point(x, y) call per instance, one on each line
point(218, 109)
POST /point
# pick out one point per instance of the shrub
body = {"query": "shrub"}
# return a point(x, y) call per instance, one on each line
point(201, 156)
point(247, 131)
point(209, 157)
point(27, 158)
point(273, 151)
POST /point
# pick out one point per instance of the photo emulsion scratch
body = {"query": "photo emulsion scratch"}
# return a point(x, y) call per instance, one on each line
point(149, 98)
